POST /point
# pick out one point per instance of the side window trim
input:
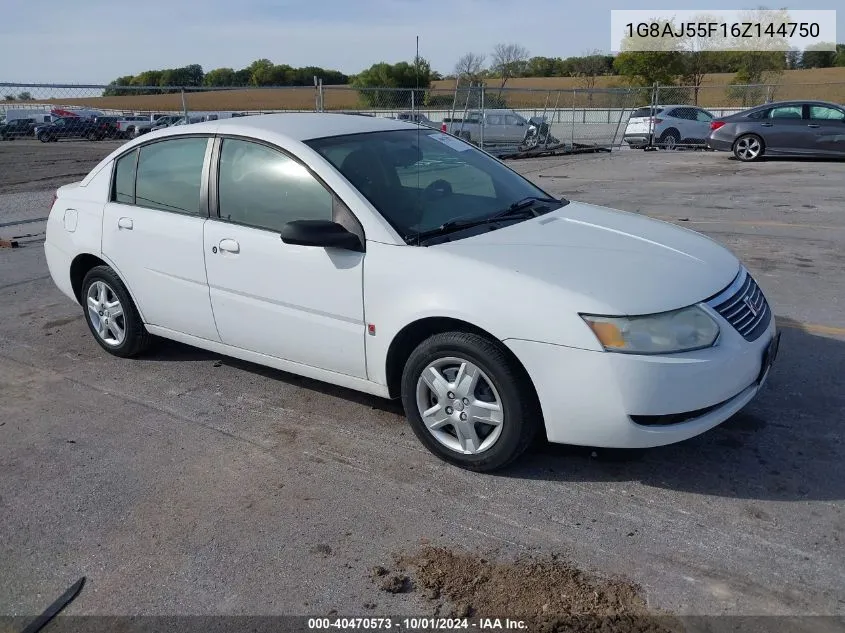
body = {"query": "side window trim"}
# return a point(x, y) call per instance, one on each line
point(341, 212)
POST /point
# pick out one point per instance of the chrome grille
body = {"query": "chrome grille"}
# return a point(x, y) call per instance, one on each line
point(743, 305)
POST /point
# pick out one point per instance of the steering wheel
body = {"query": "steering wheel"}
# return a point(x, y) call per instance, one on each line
point(439, 188)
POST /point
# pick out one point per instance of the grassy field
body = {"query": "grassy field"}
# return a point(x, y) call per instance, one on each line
point(823, 83)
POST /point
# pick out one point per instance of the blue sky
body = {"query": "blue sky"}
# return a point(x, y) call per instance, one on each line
point(94, 41)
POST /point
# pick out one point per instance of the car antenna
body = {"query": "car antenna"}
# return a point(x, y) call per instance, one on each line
point(414, 95)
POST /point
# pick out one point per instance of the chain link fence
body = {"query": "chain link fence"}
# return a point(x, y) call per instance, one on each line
point(501, 120)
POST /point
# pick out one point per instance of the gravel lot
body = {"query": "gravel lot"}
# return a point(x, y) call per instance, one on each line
point(185, 483)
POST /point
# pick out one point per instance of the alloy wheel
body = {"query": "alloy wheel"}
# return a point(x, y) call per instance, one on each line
point(748, 148)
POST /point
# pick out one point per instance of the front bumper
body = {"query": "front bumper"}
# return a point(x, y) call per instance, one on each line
point(591, 398)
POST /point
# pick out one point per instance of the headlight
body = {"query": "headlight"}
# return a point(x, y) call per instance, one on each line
point(665, 333)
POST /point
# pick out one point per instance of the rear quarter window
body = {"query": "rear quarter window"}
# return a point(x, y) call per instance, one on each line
point(123, 190)
point(645, 112)
point(170, 175)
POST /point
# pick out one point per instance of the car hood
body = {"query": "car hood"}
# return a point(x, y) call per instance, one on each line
point(611, 260)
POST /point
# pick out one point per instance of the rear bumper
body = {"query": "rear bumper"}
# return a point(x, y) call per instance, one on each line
point(58, 263)
point(637, 140)
point(720, 144)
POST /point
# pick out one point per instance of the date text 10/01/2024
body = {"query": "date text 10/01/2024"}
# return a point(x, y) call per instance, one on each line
point(417, 623)
point(722, 29)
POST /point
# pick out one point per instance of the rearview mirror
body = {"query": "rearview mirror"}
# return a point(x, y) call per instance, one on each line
point(324, 233)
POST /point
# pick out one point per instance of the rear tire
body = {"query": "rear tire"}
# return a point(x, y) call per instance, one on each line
point(669, 139)
point(111, 314)
point(748, 148)
point(476, 408)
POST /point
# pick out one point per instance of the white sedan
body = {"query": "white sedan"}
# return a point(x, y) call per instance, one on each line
point(400, 261)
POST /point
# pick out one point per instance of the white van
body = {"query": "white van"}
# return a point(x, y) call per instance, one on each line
point(40, 116)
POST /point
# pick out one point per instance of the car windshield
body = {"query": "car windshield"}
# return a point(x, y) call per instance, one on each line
point(420, 181)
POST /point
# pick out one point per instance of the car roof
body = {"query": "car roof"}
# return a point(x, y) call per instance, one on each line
point(796, 102)
point(299, 126)
point(676, 105)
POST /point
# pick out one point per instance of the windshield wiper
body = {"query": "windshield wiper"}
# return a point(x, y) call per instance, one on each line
point(458, 225)
point(521, 205)
point(518, 210)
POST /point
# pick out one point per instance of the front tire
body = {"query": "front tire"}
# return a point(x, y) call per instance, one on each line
point(468, 402)
point(111, 314)
point(748, 147)
point(44, 138)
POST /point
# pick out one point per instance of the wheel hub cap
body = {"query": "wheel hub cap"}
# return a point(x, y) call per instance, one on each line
point(460, 406)
point(105, 312)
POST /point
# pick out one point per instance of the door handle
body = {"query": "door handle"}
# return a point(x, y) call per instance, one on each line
point(766, 124)
point(230, 246)
point(125, 223)
point(813, 125)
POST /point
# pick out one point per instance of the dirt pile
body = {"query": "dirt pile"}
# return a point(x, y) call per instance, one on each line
point(548, 594)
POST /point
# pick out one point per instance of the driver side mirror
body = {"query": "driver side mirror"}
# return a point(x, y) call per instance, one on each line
point(323, 233)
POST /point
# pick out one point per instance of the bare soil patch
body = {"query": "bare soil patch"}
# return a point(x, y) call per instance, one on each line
point(549, 594)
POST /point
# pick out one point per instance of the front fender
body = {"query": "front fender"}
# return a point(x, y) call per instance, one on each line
point(405, 284)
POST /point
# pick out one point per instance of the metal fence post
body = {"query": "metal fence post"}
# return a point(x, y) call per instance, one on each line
point(572, 127)
point(184, 105)
point(320, 95)
point(483, 118)
point(652, 106)
point(618, 125)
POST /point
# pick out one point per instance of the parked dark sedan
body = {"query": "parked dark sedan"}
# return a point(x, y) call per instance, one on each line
point(17, 128)
point(68, 127)
point(785, 128)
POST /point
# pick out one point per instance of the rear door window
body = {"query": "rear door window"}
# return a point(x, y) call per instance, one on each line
point(170, 175)
point(786, 112)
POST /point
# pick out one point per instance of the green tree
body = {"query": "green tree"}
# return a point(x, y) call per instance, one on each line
point(242, 77)
point(219, 77)
point(839, 60)
point(758, 74)
point(114, 87)
point(589, 67)
point(400, 75)
point(644, 68)
point(793, 59)
point(814, 57)
point(542, 67)
point(259, 71)
point(147, 82)
point(644, 61)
